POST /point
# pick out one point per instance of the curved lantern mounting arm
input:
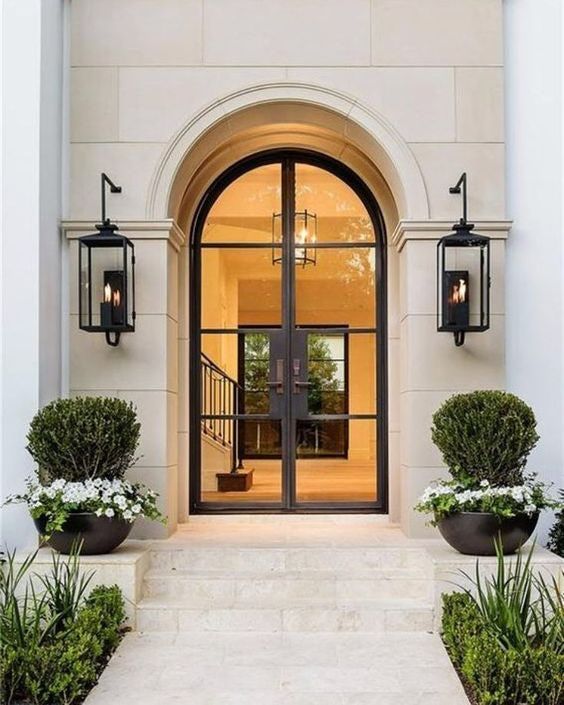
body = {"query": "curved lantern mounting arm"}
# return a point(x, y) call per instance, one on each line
point(106, 181)
point(462, 185)
point(114, 188)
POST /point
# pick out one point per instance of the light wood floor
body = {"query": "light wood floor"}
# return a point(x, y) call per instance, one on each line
point(331, 480)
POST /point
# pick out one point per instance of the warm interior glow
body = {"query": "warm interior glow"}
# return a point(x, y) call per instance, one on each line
point(240, 287)
point(107, 293)
point(117, 298)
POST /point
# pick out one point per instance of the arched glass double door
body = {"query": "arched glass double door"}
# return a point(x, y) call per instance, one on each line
point(287, 356)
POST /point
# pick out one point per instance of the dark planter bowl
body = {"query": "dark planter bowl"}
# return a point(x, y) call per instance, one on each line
point(98, 534)
point(474, 533)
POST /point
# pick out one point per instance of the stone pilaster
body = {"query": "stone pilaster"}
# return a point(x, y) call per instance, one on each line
point(144, 367)
point(431, 367)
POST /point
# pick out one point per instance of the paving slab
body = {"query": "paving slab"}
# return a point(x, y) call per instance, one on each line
point(328, 668)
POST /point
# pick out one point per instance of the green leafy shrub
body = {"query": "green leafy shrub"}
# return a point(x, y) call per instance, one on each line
point(487, 669)
point(496, 675)
point(461, 621)
point(556, 534)
point(485, 435)
point(54, 644)
point(521, 609)
point(84, 438)
point(506, 638)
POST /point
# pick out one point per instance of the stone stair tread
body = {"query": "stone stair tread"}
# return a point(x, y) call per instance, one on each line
point(375, 604)
point(368, 574)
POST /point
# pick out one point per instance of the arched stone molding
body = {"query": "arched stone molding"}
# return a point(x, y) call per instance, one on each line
point(360, 129)
point(288, 115)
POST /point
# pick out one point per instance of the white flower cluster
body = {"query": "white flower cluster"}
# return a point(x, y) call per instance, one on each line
point(466, 498)
point(105, 497)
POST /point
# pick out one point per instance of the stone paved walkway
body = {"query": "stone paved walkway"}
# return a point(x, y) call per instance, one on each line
point(279, 669)
point(283, 611)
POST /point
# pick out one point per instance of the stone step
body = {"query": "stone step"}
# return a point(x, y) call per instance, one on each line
point(282, 589)
point(370, 616)
point(363, 561)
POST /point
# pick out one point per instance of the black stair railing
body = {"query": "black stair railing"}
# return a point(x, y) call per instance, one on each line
point(221, 395)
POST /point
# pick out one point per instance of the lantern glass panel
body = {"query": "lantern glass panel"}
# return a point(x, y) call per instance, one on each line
point(106, 286)
point(463, 293)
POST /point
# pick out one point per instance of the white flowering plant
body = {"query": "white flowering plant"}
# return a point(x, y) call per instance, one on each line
point(109, 498)
point(443, 498)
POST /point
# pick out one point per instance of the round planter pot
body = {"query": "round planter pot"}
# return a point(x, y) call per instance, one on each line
point(98, 534)
point(474, 533)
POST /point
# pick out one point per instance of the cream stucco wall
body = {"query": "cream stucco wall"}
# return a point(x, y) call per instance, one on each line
point(409, 92)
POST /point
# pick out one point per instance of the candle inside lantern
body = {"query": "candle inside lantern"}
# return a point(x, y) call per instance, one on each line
point(106, 307)
point(117, 308)
point(112, 309)
point(455, 299)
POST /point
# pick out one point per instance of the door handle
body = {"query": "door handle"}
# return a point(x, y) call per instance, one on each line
point(298, 386)
point(278, 384)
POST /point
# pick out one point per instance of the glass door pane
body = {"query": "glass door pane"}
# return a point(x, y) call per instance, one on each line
point(334, 344)
point(332, 479)
point(339, 290)
point(241, 273)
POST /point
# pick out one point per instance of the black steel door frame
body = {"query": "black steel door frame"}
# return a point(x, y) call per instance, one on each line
point(287, 335)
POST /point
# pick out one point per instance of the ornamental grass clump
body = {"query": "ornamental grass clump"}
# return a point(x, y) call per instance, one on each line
point(54, 639)
point(505, 635)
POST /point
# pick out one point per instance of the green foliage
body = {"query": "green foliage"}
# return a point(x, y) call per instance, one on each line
point(486, 667)
point(520, 608)
point(53, 645)
point(65, 587)
point(556, 533)
point(485, 435)
point(443, 498)
point(110, 498)
point(106, 606)
point(84, 438)
point(323, 392)
point(506, 636)
point(460, 622)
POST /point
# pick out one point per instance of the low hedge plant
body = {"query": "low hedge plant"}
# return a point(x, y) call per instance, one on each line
point(556, 534)
point(54, 643)
point(506, 637)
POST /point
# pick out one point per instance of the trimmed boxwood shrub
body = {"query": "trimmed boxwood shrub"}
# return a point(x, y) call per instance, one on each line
point(54, 642)
point(556, 534)
point(62, 669)
point(84, 438)
point(485, 435)
point(496, 675)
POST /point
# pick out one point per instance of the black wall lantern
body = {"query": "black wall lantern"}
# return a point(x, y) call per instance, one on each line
point(463, 277)
point(106, 287)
